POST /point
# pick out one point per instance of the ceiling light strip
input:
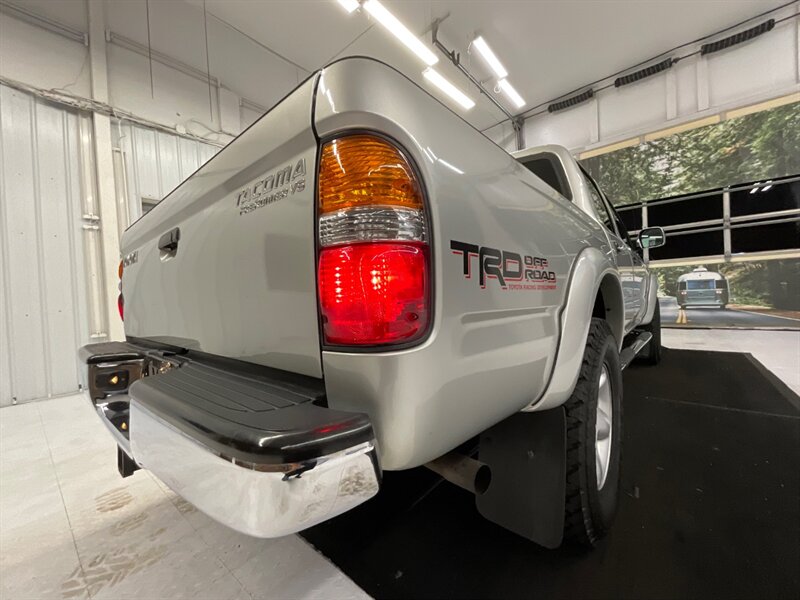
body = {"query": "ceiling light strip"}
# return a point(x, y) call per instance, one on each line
point(400, 31)
point(349, 5)
point(490, 57)
point(512, 94)
point(448, 88)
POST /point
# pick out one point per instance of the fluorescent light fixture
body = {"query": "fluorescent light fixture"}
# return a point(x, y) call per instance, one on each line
point(448, 88)
point(512, 94)
point(400, 31)
point(349, 5)
point(490, 57)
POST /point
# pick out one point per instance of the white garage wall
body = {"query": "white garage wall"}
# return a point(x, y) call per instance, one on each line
point(764, 68)
point(42, 58)
point(154, 163)
point(244, 74)
point(45, 316)
point(44, 195)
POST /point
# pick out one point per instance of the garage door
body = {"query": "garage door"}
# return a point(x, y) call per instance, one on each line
point(47, 231)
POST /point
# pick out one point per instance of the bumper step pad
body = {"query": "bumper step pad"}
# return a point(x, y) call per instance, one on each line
point(246, 420)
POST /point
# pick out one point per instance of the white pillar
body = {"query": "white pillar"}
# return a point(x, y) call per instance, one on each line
point(703, 97)
point(672, 94)
point(104, 163)
point(797, 41)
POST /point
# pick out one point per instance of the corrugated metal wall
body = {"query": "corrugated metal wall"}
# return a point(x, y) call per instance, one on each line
point(150, 164)
point(44, 195)
point(50, 248)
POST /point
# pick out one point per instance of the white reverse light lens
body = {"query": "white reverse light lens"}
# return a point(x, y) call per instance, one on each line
point(448, 88)
point(349, 5)
point(490, 57)
point(511, 93)
point(371, 224)
point(396, 28)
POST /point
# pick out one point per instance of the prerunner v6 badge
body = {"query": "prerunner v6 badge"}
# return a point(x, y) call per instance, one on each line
point(511, 270)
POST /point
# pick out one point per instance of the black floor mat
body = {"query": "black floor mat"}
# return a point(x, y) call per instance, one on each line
point(711, 506)
point(724, 379)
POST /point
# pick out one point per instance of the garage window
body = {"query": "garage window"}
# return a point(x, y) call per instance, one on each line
point(148, 204)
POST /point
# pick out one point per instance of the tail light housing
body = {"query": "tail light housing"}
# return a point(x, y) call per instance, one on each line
point(374, 274)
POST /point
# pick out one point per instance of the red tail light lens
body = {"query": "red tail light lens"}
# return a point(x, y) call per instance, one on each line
point(374, 293)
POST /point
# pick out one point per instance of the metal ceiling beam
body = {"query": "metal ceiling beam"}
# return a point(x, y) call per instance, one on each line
point(516, 122)
point(32, 18)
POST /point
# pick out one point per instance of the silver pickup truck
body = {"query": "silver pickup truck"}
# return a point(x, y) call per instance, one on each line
point(362, 282)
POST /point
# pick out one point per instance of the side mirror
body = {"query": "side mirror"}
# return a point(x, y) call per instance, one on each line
point(652, 237)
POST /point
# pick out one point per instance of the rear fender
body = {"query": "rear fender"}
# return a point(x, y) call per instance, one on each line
point(592, 274)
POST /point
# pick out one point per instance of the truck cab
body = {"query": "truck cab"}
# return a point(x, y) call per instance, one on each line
point(556, 167)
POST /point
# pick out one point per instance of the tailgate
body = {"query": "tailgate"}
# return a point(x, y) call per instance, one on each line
point(226, 263)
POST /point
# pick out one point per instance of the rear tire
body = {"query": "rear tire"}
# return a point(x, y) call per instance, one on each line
point(589, 507)
point(651, 354)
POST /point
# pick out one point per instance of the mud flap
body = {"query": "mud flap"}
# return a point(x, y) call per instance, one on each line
point(527, 456)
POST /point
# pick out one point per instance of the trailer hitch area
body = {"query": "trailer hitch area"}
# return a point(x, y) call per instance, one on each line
point(112, 368)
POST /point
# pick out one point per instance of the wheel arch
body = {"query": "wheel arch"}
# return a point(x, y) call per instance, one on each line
point(609, 305)
point(594, 285)
point(652, 299)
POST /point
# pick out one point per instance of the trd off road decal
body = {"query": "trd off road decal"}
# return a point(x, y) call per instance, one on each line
point(512, 271)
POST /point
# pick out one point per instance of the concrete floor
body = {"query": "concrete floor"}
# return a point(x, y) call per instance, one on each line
point(70, 527)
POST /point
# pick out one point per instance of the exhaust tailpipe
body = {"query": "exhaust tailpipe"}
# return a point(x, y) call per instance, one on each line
point(467, 473)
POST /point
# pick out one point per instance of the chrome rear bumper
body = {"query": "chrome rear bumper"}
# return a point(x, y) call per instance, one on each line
point(253, 450)
point(259, 500)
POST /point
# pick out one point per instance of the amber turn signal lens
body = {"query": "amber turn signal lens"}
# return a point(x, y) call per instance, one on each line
point(365, 170)
point(121, 268)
